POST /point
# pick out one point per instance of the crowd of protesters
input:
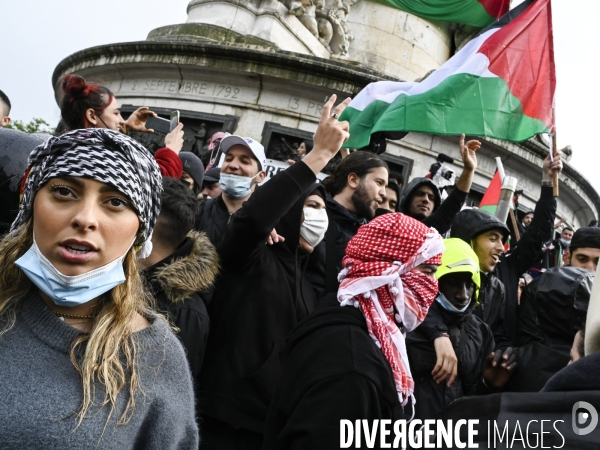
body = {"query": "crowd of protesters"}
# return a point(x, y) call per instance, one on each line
point(170, 301)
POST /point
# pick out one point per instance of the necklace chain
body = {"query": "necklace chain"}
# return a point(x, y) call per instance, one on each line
point(73, 316)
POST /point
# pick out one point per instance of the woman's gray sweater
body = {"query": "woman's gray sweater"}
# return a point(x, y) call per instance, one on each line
point(40, 390)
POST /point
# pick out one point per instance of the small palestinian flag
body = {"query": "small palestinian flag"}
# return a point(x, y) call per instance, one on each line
point(500, 85)
point(478, 13)
point(491, 198)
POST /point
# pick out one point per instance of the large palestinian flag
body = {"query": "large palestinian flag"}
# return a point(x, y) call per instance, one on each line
point(478, 13)
point(500, 85)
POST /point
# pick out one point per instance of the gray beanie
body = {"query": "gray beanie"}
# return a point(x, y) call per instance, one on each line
point(193, 166)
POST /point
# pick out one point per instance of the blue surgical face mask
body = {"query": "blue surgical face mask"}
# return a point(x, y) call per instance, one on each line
point(445, 303)
point(65, 290)
point(564, 242)
point(236, 186)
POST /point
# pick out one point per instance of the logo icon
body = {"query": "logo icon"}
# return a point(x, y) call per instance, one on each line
point(581, 418)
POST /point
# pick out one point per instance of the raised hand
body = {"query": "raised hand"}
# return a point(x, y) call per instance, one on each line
point(467, 152)
point(549, 167)
point(330, 135)
point(137, 120)
point(174, 140)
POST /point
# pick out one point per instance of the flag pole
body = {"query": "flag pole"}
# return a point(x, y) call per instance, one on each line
point(553, 152)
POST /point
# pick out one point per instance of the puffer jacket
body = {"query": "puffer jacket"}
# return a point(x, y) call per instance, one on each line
point(472, 340)
point(177, 282)
point(443, 212)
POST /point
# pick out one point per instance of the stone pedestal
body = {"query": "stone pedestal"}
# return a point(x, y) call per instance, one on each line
point(257, 68)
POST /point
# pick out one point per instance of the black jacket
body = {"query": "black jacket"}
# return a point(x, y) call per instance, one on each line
point(554, 307)
point(332, 370)
point(552, 310)
point(325, 262)
point(472, 340)
point(492, 297)
point(578, 382)
point(259, 298)
point(176, 282)
point(524, 255)
point(212, 218)
point(443, 212)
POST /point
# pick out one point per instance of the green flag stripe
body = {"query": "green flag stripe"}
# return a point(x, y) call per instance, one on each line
point(462, 103)
point(469, 12)
point(489, 208)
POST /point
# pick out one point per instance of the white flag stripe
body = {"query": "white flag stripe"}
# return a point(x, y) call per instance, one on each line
point(465, 61)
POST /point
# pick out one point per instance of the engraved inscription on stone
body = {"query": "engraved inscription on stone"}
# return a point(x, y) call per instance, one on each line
point(224, 91)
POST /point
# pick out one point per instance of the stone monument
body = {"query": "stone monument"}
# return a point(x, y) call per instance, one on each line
point(264, 68)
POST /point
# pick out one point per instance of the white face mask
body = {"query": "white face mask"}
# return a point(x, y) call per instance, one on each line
point(314, 226)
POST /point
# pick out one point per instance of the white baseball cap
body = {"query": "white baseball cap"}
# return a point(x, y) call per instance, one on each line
point(255, 147)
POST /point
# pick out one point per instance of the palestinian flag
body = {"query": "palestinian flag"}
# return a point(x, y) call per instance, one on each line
point(500, 85)
point(491, 198)
point(478, 13)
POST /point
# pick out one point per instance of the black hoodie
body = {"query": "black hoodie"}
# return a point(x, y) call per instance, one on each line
point(332, 370)
point(443, 212)
point(259, 298)
point(467, 225)
point(514, 263)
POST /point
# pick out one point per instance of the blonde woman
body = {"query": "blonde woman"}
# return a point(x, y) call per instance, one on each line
point(85, 362)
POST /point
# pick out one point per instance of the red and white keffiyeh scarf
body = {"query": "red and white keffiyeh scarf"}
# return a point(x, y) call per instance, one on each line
point(377, 278)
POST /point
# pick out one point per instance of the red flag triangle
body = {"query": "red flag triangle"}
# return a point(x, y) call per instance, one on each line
point(491, 198)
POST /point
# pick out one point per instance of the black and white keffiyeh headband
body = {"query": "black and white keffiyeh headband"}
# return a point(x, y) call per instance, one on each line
point(103, 155)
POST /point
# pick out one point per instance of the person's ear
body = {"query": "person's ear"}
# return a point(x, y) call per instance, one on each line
point(5, 121)
point(261, 177)
point(91, 117)
point(353, 180)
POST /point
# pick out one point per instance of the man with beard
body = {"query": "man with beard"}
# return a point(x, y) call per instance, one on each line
point(354, 192)
point(421, 198)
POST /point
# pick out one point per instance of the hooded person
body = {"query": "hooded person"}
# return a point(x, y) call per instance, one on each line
point(421, 197)
point(348, 359)
point(85, 358)
point(486, 234)
point(569, 401)
point(553, 309)
point(472, 340)
point(501, 271)
point(261, 293)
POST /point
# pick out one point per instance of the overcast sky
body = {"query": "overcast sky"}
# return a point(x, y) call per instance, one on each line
point(38, 34)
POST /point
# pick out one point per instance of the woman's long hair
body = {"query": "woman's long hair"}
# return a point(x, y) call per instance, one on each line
point(106, 355)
